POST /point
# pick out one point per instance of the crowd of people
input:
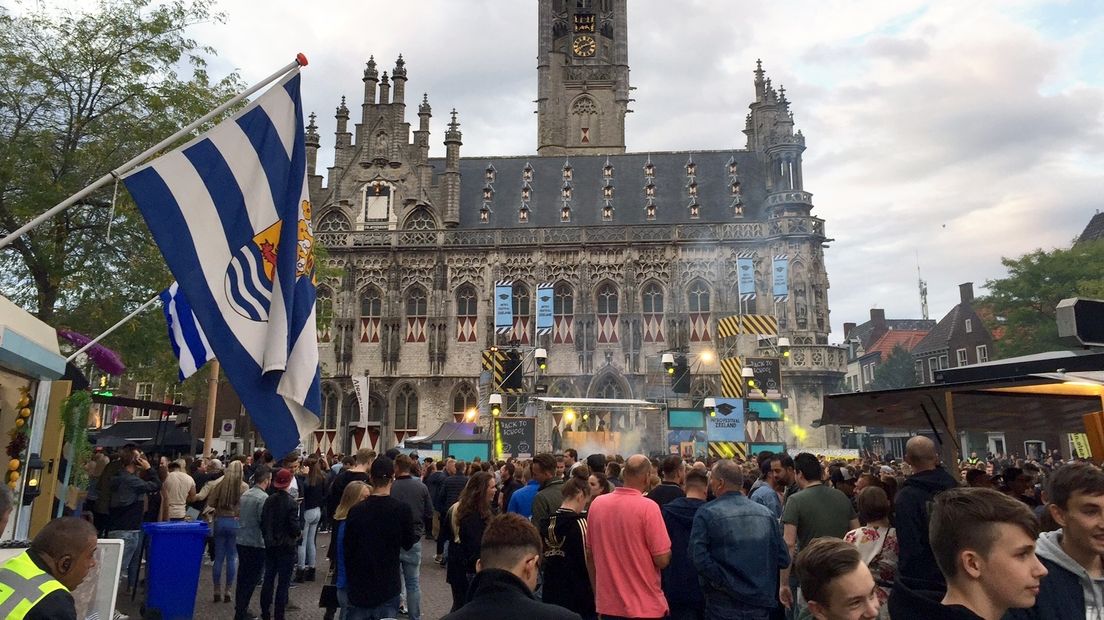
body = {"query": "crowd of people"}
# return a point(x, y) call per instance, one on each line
point(558, 537)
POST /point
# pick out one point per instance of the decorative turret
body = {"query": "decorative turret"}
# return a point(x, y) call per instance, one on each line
point(421, 136)
point(398, 76)
point(371, 79)
point(342, 137)
point(770, 134)
point(384, 90)
point(452, 172)
point(312, 141)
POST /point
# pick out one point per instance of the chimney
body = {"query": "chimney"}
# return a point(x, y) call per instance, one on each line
point(847, 329)
point(966, 293)
point(877, 317)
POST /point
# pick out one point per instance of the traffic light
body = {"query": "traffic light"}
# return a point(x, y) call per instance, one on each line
point(681, 383)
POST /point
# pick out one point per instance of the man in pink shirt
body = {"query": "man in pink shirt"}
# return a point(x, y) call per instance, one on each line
point(628, 546)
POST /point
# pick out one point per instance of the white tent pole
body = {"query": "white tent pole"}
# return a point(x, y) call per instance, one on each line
point(299, 61)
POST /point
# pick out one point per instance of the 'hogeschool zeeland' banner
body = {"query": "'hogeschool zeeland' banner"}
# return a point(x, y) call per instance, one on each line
point(745, 268)
point(781, 277)
point(544, 308)
point(504, 306)
point(726, 421)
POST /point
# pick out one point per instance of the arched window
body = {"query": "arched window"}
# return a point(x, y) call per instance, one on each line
point(406, 409)
point(466, 313)
point(652, 304)
point(350, 413)
point(420, 219)
point(563, 314)
point(609, 387)
point(606, 297)
point(698, 303)
point(324, 309)
point(330, 400)
point(464, 399)
point(371, 310)
point(416, 312)
point(522, 313)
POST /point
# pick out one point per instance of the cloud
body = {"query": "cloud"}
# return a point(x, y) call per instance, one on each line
point(953, 132)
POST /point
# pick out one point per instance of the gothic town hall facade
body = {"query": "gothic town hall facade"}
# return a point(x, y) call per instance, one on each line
point(641, 247)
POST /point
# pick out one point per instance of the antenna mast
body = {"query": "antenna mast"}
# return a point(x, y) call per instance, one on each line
point(923, 289)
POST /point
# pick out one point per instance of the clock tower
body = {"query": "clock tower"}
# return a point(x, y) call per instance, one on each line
point(582, 77)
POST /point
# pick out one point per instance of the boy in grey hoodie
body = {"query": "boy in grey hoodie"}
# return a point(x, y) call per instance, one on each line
point(1074, 585)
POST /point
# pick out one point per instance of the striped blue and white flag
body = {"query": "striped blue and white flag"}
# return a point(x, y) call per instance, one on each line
point(231, 214)
point(189, 345)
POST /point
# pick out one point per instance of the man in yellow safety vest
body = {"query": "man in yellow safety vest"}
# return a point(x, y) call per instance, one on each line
point(35, 584)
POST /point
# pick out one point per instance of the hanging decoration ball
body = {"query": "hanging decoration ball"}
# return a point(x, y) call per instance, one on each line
point(25, 412)
point(24, 401)
point(19, 422)
point(13, 464)
point(15, 476)
point(13, 485)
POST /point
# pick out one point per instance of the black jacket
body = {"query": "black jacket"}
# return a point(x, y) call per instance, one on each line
point(680, 578)
point(1061, 597)
point(499, 594)
point(280, 521)
point(907, 604)
point(449, 491)
point(916, 564)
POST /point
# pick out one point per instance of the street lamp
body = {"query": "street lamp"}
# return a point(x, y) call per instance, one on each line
point(669, 363)
point(749, 377)
point(495, 401)
point(710, 405)
point(784, 346)
point(541, 357)
point(32, 487)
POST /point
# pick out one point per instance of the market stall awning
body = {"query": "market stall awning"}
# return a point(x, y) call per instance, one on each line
point(448, 431)
point(147, 434)
point(1036, 402)
point(27, 345)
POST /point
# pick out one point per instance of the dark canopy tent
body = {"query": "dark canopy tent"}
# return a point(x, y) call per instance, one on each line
point(991, 397)
point(151, 435)
point(449, 431)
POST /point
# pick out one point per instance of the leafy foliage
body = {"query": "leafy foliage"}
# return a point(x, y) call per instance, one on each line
point(1022, 304)
point(83, 93)
point(896, 371)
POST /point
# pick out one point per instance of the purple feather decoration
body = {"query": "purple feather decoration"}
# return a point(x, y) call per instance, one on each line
point(104, 358)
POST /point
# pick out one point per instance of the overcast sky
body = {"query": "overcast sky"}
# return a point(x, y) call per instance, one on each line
point(956, 132)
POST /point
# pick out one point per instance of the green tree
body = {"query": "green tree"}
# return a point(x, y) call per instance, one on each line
point(1022, 304)
point(896, 371)
point(83, 92)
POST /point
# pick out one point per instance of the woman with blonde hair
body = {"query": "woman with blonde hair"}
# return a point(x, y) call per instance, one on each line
point(355, 492)
point(224, 499)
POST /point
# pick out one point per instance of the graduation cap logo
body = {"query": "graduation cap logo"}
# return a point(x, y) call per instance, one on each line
point(725, 409)
point(504, 296)
point(545, 297)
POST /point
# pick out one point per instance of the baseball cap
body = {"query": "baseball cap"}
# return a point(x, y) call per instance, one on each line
point(282, 479)
point(383, 468)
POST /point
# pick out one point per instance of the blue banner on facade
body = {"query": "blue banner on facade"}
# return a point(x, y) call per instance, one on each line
point(726, 421)
point(504, 306)
point(544, 308)
point(746, 278)
point(781, 276)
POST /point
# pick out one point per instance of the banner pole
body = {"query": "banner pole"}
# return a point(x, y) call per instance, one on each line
point(300, 61)
point(112, 328)
point(212, 396)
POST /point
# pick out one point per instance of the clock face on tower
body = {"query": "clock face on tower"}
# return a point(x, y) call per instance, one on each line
point(584, 46)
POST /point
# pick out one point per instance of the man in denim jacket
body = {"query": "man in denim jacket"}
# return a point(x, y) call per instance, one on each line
point(737, 548)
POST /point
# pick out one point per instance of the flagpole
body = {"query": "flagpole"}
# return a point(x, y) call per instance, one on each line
point(300, 61)
point(112, 328)
point(212, 396)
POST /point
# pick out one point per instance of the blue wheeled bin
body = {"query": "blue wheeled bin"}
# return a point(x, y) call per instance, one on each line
point(172, 574)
